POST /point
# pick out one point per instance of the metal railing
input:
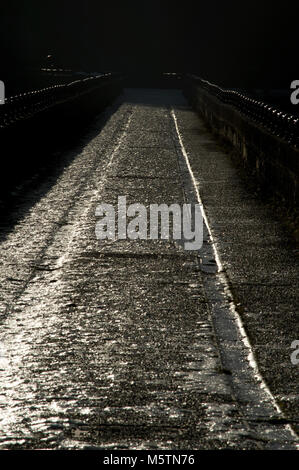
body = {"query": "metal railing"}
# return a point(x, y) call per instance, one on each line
point(279, 123)
point(27, 104)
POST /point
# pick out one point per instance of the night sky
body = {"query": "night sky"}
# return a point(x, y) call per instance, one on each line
point(234, 43)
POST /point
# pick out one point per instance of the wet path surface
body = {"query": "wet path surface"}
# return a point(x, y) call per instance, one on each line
point(124, 344)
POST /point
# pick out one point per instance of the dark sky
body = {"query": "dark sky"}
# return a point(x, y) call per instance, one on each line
point(236, 43)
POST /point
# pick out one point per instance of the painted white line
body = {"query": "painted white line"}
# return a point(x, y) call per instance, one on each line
point(223, 278)
point(204, 216)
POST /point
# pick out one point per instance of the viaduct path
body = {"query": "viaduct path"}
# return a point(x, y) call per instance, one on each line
point(140, 344)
